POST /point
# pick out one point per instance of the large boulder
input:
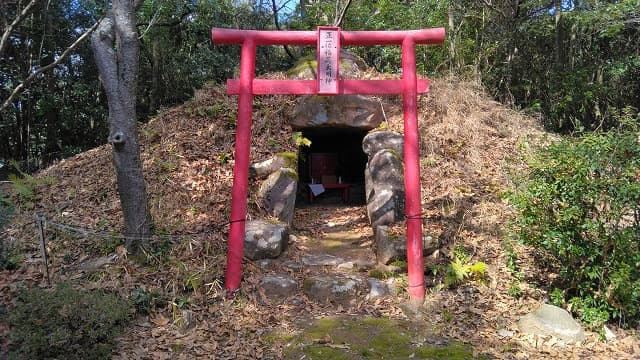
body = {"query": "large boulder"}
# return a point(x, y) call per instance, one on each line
point(552, 320)
point(262, 169)
point(384, 182)
point(265, 239)
point(356, 111)
point(267, 167)
point(363, 112)
point(278, 286)
point(338, 289)
point(277, 194)
point(383, 140)
point(351, 67)
point(388, 247)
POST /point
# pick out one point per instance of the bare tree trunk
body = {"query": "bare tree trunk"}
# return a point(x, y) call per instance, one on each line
point(116, 48)
point(156, 59)
point(452, 39)
point(559, 35)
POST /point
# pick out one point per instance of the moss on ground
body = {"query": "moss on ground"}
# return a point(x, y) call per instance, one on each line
point(371, 338)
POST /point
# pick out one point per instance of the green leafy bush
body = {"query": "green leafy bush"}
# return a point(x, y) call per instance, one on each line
point(65, 323)
point(461, 268)
point(146, 301)
point(580, 201)
point(9, 257)
point(24, 187)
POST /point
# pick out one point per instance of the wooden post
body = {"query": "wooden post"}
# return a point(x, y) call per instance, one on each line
point(43, 248)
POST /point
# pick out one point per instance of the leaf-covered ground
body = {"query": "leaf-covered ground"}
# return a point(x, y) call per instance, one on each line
point(468, 145)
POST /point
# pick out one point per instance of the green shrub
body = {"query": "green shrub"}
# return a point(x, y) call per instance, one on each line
point(580, 201)
point(9, 257)
point(24, 187)
point(460, 270)
point(64, 323)
point(146, 301)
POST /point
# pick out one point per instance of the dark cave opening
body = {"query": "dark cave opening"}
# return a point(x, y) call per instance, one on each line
point(336, 160)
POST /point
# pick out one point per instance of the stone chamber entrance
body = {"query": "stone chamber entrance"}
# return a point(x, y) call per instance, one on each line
point(339, 194)
point(332, 170)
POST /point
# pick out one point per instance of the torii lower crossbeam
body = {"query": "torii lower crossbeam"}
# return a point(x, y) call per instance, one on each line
point(328, 41)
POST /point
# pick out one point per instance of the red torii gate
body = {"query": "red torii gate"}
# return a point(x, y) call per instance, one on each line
point(328, 41)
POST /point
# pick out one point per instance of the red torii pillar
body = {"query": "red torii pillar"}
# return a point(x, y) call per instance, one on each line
point(328, 41)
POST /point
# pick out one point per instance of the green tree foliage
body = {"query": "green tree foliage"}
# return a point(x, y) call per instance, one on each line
point(576, 62)
point(64, 323)
point(382, 15)
point(177, 54)
point(61, 112)
point(580, 202)
point(579, 64)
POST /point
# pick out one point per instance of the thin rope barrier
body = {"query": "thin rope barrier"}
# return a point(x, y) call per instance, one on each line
point(110, 235)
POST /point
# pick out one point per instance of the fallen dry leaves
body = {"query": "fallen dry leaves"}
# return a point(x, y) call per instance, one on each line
point(188, 160)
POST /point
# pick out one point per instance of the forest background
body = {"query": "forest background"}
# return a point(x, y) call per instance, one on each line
point(576, 63)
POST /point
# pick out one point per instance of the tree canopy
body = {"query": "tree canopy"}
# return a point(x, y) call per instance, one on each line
point(575, 62)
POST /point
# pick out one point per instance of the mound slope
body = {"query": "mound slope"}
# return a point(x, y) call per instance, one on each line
point(467, 143)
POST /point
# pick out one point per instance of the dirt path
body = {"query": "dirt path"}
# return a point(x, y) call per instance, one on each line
point(350, 331)
point(341, 231)
point(472, 320)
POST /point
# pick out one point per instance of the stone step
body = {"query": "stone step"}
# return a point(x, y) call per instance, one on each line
point(340, 289)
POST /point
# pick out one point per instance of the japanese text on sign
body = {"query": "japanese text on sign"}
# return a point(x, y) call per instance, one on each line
point(328, 55)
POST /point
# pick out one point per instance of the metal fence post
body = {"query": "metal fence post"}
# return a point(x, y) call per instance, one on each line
point(43, 248)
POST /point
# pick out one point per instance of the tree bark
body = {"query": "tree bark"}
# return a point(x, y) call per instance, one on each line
point(559, 36)
point(116, 49)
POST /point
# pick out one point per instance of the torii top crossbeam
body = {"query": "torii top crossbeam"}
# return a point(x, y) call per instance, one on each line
point(328, 41)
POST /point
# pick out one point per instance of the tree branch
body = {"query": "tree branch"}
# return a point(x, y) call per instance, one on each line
point(339, 20)
point(5, 36)
point(277, 23)
point(166, 24)
point(23, 86)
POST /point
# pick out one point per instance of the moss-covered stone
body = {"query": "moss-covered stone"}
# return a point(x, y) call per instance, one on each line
point(290, 159)
point(324, 352)
point(308, 283)
point(371, 338)
point(307, 64)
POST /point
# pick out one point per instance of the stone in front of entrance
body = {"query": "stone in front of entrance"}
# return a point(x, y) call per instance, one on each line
point(389, 248)
point(354, 111)
point(552, 320)
point(343, 290)
point(278, 194)
point(265, 239)
point(264, 168)
point(321, 260)
point(267, 167)
point(377, 289)
point(278, 286)
point(384, 181)
point(383, 140)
